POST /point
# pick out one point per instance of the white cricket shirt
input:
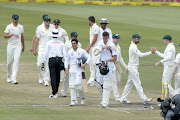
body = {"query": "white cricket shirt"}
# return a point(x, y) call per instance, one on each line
point(134, 54)
point(18, 30)
point(95, 29)
point(68, 45)
point(54, 48)
point(71, 58)
point(107, 54)
point(169, 55)
point(177, 60)
point(64, 37)
point(106, 30)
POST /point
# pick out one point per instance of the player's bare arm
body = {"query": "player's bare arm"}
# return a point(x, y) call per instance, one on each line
point(22, 42)
point(112, 59)
point(7, 35)
point(35, 46)
point(92, 43)
point(34, 38)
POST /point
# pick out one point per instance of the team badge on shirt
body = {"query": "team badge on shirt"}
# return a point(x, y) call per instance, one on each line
point(78, 53)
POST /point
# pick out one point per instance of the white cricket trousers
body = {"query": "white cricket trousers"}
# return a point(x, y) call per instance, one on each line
point(65, 83)
point(43, 74)
point(75, 85)
point(177, 83)
point(116, 78)
point(133, 78)
point(13, 52)
point(92, 65)
point(167, 74)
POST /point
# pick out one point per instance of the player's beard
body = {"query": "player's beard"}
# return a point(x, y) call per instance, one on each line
point(137, 42)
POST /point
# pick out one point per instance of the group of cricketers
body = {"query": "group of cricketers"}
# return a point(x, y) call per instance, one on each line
point(59, 57)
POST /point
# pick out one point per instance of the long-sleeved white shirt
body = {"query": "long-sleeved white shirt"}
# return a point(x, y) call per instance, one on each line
point(95, 29)
point(134, 54)
point(106, 30)
point(177, 60)
point(119, 56)
point(71, 58)
point(54, 48)
point(169, 55)
point(107, 54)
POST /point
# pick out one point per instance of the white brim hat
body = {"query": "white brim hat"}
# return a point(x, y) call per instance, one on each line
point(104, 20)
point(55, 33)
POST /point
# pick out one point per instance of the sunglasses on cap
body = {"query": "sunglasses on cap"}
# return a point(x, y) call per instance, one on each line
point(15, 18)
point(116, 35)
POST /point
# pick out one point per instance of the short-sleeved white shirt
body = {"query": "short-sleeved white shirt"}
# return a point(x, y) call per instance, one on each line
point(42, 25)
point(95, 29)
point(43, 35)
point(64, 37)
point(177, 60)
point(18, 30)
point(107, 54)
point(68, 45)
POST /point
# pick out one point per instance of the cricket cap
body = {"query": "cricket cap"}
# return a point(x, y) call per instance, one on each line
point(136, 36)
point(74, 34)
point(57, 21)
point(15, 16)
point(116, 36)
point(168, 37)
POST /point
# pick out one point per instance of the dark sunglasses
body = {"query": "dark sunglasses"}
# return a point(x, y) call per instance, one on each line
point(138, 38)
point(15, 18)
point(56, 23)
point(47, 20)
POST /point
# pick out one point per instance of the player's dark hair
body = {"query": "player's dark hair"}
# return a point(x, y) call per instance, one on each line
point(105, 34)
point(74, 40)
point(91, 18)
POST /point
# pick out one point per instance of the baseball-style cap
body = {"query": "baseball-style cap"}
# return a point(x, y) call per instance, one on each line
point(15, 16)
point(57, 21)
point(116, 36)
point(136, 36)
point(74, 34)
point(44, 16)
point(47, 18)
point(168, 37)
point(104, 21)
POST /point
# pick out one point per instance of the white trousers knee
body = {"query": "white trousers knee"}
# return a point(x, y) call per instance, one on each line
point(65, 83)
point(43, 74)
point(177, 83)
point(167, 74)
point(13, 52)
point(133, 78)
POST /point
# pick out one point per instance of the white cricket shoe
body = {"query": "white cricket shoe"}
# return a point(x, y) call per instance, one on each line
point(125, 101)
point(46, 83)
point(83, 101)
point(14, 82)
point(9, 79)
point(117, 99)
point(53, 96)
point(40, 80)
point(104, 105)
point(147, 100)
point(63, 94)
point(73, 103)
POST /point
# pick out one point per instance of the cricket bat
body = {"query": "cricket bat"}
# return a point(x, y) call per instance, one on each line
point(118, 67)
point(84, 81)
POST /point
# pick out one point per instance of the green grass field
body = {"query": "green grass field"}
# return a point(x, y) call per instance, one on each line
point(29, 100)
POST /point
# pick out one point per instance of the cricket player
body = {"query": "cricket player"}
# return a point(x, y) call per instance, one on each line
point(42, 37)
point(116, 73)
point(168, 62)
point(104, 28)
point(34, 38)
point(68, 46)
point(14, 34)
point(133, 74)
point(55, 51)
point(108, 55)
point(75, 72)
point(176, 74)
point(63, 38)
point(95, 37)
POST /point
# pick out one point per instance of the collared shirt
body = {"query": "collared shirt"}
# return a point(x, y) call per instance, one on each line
point(54, 48)
point(43, 35)
point(42, 25)
point(106, 30)
point(134, 54)
point(107, 54)
point(68, 45)
point(177, 60)
point(71, 58)
point(64, 37)
point(119, 56)
point(169, 55)
point(95, 29)
point(18, 30)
